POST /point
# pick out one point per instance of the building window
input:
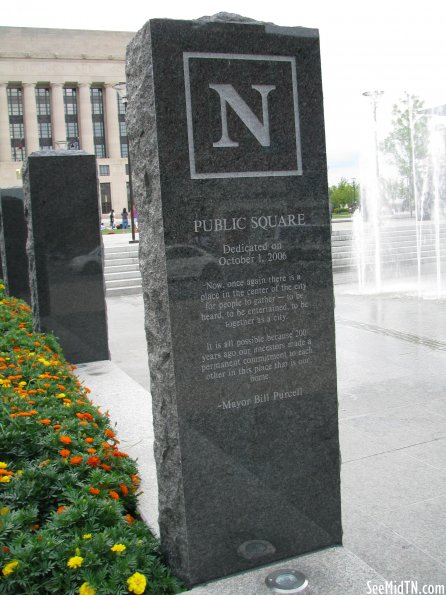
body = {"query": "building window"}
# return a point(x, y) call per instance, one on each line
point(43, 106)
point(16, 132)
point(104, 170)
point(105, 198)
point(97, 110)
point(126, 169)
point(122, 128)
point(71, 117)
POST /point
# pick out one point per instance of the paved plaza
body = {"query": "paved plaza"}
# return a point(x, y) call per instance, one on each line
point(391, 359)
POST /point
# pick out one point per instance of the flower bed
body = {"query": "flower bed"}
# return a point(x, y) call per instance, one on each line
point(68, 494)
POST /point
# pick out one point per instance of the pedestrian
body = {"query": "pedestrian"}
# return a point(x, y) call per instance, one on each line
point(135, 217)
point(112, 219)
point(125, 219)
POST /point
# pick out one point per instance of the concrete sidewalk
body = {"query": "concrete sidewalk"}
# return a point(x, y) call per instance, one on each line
point(391, 353)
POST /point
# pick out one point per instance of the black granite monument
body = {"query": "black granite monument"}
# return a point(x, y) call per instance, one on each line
point(13, 234)
point(226, 131)
point(65, 252)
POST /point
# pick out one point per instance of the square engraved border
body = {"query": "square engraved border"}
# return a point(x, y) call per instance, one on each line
point(190, 132)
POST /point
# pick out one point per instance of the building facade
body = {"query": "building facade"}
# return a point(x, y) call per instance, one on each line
point(56, 91)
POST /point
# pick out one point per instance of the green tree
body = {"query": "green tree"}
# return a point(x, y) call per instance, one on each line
point(407, 146)
point(344, 194)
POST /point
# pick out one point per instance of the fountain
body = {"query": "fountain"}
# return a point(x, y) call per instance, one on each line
point(399, 233)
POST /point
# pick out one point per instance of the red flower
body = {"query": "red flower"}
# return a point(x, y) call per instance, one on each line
point(105, 467)
point(94, 491)
point(64, 453)
point(94, 461)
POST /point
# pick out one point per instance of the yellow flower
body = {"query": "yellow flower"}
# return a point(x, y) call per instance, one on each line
point(4, 510)
point(118, 548)
point(137, 583)
point(10, 567)
point(75, 562)
point(3, 465)
point(87, 589)
point(5, 478)
point(87, 536)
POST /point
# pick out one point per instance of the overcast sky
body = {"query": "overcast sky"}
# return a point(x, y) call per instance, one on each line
point(389, 45)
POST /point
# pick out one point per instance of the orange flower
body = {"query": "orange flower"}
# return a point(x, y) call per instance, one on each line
point(61, 509)
point(65, 439)
point(64, 453)
point(93, 461)
point(91, 450)
point(135, 479)
point(130, 519)
point(76, 460)
point(57, 427)
point(109, 433)
point(124, 489)
point(120, 455)
point(106, 467)
point(89, 440)
point(113, 495)
point(94, 491)
point(45, 422)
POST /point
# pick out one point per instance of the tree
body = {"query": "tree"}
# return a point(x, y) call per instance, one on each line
point(344, 195)
point(407, 146)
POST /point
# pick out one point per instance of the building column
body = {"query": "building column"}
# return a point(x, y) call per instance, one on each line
point(112, 123)
point(30, 118)
point(59, 132)
point(5, 137)
point(85, 119)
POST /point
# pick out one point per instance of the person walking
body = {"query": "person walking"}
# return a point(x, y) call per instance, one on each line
point(125, 219)
point(112, 219)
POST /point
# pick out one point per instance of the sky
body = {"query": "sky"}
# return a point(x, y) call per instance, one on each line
point(393, 46)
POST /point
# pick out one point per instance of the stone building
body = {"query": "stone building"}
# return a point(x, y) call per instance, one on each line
point(56, 90)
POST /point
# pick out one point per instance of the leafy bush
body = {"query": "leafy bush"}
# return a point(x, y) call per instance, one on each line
point(68, 495)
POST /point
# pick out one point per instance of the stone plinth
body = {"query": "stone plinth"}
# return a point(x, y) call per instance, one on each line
point(65, 252)
point(226, 133)
point(13, 234)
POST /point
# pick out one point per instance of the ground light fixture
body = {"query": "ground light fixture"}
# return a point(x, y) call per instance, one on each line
point(286, 580)
point(121, 89)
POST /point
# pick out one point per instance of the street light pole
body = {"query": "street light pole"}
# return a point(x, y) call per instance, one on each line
point(121, 88)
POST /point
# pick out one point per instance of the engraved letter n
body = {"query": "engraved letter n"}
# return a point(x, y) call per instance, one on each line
point(229, 96)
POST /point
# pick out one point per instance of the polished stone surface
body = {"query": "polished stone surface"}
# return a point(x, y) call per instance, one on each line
point(13, 235)
point(393, 549)
point(65, 252)
point(227, 144)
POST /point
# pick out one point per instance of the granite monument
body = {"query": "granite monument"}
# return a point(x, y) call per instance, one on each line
point(13, 234)
point(226, 129)
point(65, 252)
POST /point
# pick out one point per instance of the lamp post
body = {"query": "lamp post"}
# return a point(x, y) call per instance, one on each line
point(121, 88)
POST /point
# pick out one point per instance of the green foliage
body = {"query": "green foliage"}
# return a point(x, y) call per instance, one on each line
point(407, 145)
point(67, 493)
point(344, 195)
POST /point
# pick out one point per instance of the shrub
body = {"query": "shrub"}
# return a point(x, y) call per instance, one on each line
point(68, 495)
